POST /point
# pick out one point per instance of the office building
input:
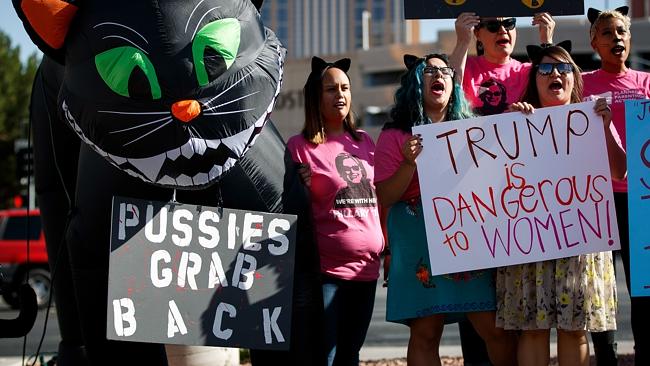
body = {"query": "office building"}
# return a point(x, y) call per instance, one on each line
point(333, 27)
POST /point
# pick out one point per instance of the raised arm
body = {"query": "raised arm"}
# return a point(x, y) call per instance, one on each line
point(546, 27)
point(465, 24)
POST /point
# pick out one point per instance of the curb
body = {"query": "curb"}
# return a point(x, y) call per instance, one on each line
point(373, 353)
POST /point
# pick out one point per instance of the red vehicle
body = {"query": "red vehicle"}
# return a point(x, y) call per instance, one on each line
point(15, 268)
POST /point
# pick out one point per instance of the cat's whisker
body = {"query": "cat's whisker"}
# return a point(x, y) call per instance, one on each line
point(134, 113)
point(232, 101)
point(128, 40)
point(195, 133)
point(228, 112)
point(123, 26)
point(149, 133)
point(141, 125)
point(200, 20)
point(230, 87)
point(191, 14)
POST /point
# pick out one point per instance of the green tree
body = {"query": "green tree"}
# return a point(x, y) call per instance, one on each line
point(16, 80)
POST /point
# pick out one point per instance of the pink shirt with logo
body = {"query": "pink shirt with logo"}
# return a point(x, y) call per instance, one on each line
point(344, 204)
point(617, 88)
point(388, 156)
point(490, 88)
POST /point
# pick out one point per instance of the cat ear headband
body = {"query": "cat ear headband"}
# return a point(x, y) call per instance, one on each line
point(318, 65)
point(535, 52)
point(411, 61)
point(593, 14)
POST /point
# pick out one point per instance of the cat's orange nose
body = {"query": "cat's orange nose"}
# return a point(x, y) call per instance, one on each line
point(186, 110)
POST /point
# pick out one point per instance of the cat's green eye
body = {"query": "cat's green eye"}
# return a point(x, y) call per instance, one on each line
point(215, 48)
point(119, 65)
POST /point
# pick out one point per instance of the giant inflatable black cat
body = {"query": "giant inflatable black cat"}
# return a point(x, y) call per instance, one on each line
point(143, 98)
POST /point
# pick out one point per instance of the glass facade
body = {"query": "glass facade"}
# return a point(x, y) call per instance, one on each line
point(326, 27)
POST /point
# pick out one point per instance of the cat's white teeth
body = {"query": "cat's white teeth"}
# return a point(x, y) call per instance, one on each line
point(150, 167)
point(184, 180)
point(117, 159)
point(215, 172)
point(167, 180)
point(187, 150)
point(237, 143)
point(213, 144)
point(201, 178)
point(199, 146)
point(174, 153)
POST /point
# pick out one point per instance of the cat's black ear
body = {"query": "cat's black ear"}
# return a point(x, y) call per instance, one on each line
point(592, 14)
point(47, 22)
point(566, 45)
point(623, 9)
point(411, 61)
point(257, 3)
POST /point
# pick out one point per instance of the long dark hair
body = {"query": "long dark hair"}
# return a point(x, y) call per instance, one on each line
point(408, 110)
point(314, 129)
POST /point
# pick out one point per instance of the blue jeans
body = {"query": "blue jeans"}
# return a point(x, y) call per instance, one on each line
point(348, 310)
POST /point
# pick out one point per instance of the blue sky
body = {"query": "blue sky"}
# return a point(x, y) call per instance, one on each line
point(11, 25)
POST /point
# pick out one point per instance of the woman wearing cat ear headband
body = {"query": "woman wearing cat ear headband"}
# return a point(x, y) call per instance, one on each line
point(611, 38)
point(337, 165)
point(574, 294)
point(495, 40)
point(427, 94)
point(491, 81)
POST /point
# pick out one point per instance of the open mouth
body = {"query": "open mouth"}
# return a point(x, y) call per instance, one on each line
point(200, 160)
point(438, 87)
point(555, 86)
point(340, 105)
point(503, 42)
point(618, 50)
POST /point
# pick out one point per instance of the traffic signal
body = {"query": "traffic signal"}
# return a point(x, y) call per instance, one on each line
point(24, 162)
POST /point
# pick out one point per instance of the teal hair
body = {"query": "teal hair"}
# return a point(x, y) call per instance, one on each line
point(409, 99)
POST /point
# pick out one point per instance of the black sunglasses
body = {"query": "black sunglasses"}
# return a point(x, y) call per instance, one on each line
point(547, 68)
point(493, 25)
point(445, 71)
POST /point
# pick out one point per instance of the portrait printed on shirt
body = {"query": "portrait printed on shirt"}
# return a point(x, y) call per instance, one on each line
point(358, 191)
point(494, 98)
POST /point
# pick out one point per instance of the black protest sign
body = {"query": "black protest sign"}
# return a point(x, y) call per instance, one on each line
point(197, 275)
point(450, 9)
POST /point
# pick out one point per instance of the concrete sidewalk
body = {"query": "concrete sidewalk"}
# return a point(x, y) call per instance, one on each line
point(380, 353)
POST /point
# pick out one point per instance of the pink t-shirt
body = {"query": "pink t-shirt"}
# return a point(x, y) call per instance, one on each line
point(491, 88)
point(344, 204)
point(617, 88)
point(388, 158)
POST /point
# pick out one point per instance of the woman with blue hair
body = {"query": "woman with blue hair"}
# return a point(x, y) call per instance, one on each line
point(427, 94)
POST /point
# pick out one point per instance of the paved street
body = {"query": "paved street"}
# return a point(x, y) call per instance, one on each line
point(381, 335)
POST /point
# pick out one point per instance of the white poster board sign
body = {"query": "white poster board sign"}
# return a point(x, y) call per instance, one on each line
point(514, 188)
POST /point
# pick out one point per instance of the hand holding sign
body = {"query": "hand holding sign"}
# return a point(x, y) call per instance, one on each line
point(515, 188)
point(412, 149)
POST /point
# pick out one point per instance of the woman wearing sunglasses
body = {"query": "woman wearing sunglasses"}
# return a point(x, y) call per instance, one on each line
point(495, 42)
point(492, 80)
point(611, 39)
point(427, 94)
point(575, 294)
